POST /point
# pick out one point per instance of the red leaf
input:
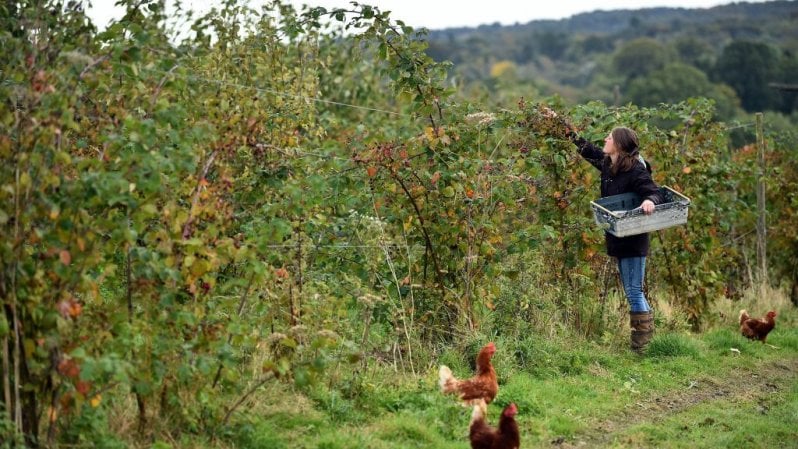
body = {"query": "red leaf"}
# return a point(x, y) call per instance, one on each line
point(69, 368)
point(83, 387)
point(372, 171)
point(75, 308)
point(65, 257)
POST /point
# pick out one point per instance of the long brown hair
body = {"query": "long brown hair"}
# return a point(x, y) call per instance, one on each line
point(626, 142)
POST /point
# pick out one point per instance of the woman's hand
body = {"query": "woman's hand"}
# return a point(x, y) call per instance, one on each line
point(648, 207)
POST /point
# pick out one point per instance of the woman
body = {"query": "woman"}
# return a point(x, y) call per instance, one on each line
point(623, 170)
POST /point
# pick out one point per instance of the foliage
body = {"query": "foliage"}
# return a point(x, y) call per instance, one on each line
point(760, 63)
point(782, 163)
point(121, 259)
point(678, 82)
point(640, 57)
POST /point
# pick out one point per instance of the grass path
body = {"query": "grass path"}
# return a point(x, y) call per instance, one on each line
point(749, 388)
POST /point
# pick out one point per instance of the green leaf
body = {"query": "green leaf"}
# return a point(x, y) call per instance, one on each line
point(150, 209)
point(301, 377)
point(289, 343)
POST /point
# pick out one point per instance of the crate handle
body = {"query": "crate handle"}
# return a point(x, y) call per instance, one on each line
point(604, 209)
point(688, 200)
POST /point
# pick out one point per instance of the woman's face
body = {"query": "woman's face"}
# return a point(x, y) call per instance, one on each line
point(609, 146)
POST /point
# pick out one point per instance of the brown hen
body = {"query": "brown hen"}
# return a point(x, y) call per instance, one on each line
point(482, 386)
point(505, 436)
point(757, 328)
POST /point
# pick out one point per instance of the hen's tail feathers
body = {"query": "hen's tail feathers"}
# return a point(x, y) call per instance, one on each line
point(445, 379)
point(743, 316)
point(479, 412)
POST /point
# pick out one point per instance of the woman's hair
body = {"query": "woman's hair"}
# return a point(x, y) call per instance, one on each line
point(626, 141)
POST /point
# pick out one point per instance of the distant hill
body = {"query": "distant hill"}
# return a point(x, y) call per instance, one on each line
point(735, 19)
point(588, 55)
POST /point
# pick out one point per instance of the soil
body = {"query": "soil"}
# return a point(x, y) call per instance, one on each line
point(752, 385)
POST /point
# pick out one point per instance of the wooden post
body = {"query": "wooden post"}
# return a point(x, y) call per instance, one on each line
point(761, 228)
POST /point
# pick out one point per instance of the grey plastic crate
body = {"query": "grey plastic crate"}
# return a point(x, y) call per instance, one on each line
point(621, 216)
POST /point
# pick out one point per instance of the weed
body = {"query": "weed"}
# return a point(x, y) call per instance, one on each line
point(723, 340)
point(260, 436)
point(454, 359)
point(544, 359)
point(786, 337)
point(525, 393)
point(406, 430)
point(672, 345)
point(90, 427)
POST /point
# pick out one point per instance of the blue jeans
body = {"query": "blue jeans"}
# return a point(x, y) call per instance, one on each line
point(633, 271)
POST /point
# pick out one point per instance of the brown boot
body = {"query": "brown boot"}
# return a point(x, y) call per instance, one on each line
point(642, 324)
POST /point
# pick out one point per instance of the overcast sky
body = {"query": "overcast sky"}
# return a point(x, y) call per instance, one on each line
point(437, 14)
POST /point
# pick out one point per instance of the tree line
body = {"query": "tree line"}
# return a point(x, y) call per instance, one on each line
point(734, 54)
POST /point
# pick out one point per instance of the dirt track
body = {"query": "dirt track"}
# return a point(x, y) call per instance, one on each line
point(752, 385)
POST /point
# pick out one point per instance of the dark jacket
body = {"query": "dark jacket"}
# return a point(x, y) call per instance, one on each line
point(637, 180)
